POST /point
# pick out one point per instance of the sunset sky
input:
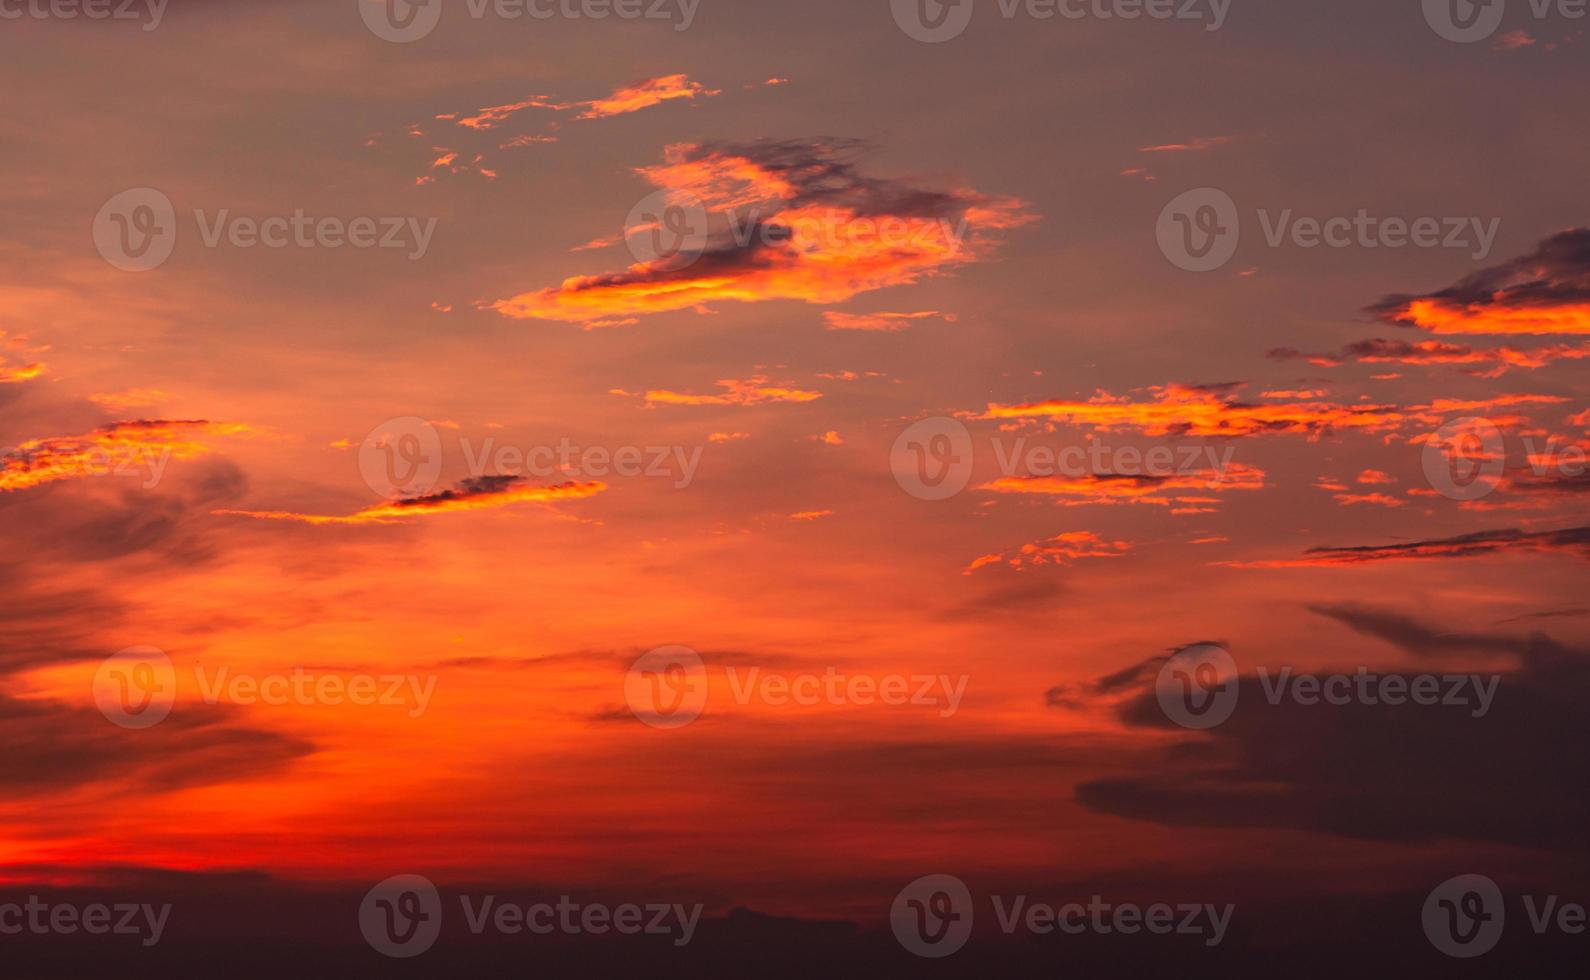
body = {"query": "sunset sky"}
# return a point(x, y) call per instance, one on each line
point(214, 457)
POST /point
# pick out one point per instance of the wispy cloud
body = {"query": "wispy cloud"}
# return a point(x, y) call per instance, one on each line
point(1484, 362)
point(1205, 410)
point(1062, 549)
point(1573, 541)
point(750, 391)
point(836, 320)
point(476, 493)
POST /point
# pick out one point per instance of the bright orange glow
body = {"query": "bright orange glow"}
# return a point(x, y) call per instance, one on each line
point(1496, 317)
point(642, 95)
point(791, 246)
point(1180, 410)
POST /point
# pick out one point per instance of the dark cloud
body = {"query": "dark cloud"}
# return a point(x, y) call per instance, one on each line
point(1022, 595)
point(54, 747)
point(1549, 286)
point(1572, 541)
point(1407, 773)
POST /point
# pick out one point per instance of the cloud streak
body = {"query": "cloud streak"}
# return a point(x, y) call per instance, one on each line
point(477, 493)
point(1573, 541)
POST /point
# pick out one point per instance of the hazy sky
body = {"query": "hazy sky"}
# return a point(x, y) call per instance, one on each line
point(985, 237)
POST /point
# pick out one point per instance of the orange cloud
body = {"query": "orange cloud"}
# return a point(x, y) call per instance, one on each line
point(477, 493)
point(643, 95)
point(1062, 549)
point(834, 320)
point(1200, 143)
point(1210, 410)
point(1115, 488)
point(811, 515)
point(781, 220)
point(1545, 292)
point(491, 116)
point(112, 448)
point(16, 373)
point(630, 98)
point(10, 374)
point(751, 391)
point(1378, 499)
point(1498, 359)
